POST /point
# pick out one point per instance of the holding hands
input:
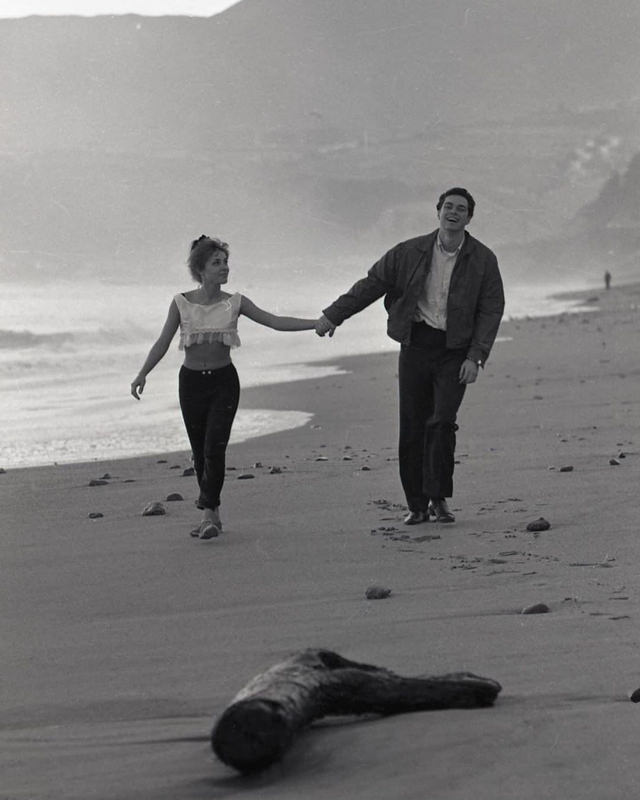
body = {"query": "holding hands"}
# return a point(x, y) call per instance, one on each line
point(324, 325)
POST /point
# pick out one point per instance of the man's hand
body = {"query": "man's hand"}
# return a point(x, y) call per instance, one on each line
point(323, 325)
point(468, 371)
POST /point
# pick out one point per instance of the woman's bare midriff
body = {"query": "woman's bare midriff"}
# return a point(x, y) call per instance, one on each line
point(207, 355)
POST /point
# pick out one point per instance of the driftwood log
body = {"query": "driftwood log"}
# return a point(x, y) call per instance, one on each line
point(259, 725)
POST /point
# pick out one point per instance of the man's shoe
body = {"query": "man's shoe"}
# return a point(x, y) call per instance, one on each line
point(439, 509)
point(416, 517)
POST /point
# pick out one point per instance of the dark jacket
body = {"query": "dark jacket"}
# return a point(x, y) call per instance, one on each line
point(474, 306)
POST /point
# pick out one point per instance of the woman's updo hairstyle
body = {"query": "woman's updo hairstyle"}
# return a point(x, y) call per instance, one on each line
point(201, 250)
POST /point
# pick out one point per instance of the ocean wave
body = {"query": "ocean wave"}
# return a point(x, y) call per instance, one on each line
point(27, 339)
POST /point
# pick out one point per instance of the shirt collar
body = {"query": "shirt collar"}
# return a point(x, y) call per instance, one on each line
point(448, 252)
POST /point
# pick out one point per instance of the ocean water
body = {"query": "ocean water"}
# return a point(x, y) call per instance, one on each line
point(69, 350)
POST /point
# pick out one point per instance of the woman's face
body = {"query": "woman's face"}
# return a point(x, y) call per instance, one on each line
point(216, 267)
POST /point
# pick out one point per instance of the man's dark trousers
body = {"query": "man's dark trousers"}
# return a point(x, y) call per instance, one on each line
point(430, 396)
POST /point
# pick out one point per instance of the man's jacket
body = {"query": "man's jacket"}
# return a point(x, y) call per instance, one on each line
point(474, 306)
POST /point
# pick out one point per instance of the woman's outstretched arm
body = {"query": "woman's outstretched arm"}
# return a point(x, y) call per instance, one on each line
point(158, 349)
point(262, 317)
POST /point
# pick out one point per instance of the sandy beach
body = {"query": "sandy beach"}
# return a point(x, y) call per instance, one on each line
point(123, 638)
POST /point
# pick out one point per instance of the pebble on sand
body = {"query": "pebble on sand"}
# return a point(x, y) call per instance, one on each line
point(245, 476)
point(275, 471)
point(98, 482)
point(568, 468)
point(536, 608)
point(540, 524)
point(153, 510)
point(614, 462)
point(173, 496)
point(95, 514)
point(188, 471)
point(635, 697)
point(377, 593)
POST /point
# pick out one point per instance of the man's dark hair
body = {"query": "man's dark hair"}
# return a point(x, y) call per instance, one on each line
point(463, 193)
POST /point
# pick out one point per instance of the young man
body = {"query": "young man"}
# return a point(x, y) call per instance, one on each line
point(444, 298)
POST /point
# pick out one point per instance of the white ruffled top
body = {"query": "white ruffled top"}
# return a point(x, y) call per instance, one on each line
point(217, 322)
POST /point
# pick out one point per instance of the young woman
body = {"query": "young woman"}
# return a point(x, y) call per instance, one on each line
point(209, 389)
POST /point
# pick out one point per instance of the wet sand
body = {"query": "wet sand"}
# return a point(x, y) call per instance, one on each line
point(123, 637)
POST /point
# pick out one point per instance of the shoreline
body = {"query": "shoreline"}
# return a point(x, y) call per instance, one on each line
point(581, 301)
point(125, 638)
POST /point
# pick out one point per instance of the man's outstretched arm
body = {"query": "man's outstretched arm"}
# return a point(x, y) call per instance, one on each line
point(378, 281)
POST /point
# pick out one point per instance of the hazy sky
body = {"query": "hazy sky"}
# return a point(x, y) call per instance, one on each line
point(88, 8)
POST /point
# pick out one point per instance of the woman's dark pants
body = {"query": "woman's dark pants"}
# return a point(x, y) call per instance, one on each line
point(209, 401)
point(430, 396)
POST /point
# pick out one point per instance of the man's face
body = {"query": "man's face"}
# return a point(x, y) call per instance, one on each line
point(454, 214)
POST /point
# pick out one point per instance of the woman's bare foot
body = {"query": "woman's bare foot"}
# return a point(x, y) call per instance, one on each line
point(210, 525)
point(212, 515)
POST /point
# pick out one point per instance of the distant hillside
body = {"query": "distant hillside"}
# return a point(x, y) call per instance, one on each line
point(297, 128)
point(604, 234)
point(617, 206)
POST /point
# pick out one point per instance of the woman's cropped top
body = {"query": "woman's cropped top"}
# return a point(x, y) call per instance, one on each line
point(217, 322)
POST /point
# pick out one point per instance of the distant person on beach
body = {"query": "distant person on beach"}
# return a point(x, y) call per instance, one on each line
point(209, 388)
point(607, 280)
point(444, 299)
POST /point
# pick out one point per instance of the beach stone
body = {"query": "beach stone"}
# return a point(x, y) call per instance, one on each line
point(106, 477)
point(129, 480)
point(275, 471)
point(621, 454)
point(153, 510)
point(377, 592)
point(365, 468)
point(540, 524)
point(95, 514)
point(536, 608)
point(245, 476)
point(258, 465)
point(161, 461)
point(635, 697)
point(322, 458)
point(98, 482)
point(614, 462)
point(174, 496)
point(175, 466)
point(568, 468)
point(188, 471)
